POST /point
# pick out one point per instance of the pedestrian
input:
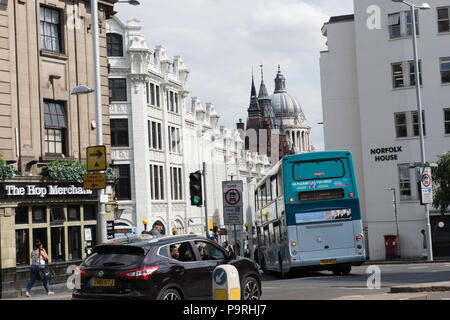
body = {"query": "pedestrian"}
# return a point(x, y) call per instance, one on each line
point(38, 258)
point(424, 244)
point(216, 235)
point(228, 247)
point(156, 229)
point(175, 231)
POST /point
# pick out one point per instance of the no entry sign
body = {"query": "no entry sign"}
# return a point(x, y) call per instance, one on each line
point(232, 202)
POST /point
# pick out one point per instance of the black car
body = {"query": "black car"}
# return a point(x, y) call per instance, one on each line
point(163, 268)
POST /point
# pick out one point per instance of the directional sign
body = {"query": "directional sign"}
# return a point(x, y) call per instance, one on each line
point(232, 202)
point(96, 158)
point(220, 276)
point(94, 181)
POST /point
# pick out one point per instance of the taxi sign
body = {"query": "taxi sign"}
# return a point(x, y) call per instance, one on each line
point(96, 158)
point(94, 181)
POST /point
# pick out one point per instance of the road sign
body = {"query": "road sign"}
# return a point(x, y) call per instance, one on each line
point(94, 181)
point(426, 185)
point(232, 202)
point(96, 158)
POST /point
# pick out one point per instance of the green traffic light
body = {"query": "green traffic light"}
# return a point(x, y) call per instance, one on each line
point(196, 200)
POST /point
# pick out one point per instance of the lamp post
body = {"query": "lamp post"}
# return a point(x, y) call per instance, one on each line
point(101, 215)
point(413, 7)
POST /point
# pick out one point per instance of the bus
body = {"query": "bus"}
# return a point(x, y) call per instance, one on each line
point(308, 215)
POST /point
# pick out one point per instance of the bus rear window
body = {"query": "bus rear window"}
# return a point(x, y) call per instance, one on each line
point(321, 195)
point(318, 169)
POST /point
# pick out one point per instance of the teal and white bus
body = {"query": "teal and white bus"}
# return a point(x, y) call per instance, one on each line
point(308, 214)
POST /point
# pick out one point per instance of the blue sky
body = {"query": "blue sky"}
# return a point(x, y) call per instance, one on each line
point(222, 40)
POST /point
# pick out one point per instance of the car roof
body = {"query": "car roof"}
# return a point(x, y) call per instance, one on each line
point(146, 240)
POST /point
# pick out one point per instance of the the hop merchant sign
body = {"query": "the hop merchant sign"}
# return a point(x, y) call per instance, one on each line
point(232, 202)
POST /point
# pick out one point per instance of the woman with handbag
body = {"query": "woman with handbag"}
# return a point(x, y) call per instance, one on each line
point(38, 258)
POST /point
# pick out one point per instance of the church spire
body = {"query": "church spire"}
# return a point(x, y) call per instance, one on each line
point(253, 109)
point(280, 82)
point(263, 94)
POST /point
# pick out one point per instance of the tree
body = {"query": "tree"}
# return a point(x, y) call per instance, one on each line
point(441, 182)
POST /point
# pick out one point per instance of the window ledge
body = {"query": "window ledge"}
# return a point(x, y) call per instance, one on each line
point(403, 37)
point(445, 83)
point(409, 138)
point(445, 33)
point(49, 157)
point(406, 88)
point(55, 55)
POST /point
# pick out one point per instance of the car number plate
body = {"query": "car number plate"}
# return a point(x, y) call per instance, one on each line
point(330, 261)
point(103, 282)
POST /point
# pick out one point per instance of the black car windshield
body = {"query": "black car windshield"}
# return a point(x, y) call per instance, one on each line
point(111, 256)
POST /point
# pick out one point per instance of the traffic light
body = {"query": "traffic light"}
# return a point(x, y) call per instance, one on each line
point(195, 186)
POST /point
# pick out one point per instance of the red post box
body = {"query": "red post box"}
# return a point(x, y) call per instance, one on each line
point(391, 246)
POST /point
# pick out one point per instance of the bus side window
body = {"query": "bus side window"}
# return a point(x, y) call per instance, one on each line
point(273, 187)
point(271, 233)
point(276, 231)
point(266, 236)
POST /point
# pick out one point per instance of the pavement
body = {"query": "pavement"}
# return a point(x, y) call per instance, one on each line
point(417, 291)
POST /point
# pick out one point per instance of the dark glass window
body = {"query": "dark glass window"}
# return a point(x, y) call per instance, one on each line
point(50, 29)
point(21, 215)
point(73, 213)
point(90, 212)
point(57, 215)
point(445, 70)
point(39, 214)
point(397, 75)
point(55, 123)
point(117, 89)
point(447, 121)
point(416, 123)
point(123, 187)
point(443, 19)
point(394, 25)
point(119, 132)
point(58, 253)
point(412, 74)
point(400, 125)
point(74, 237)
point(114, 44)
point(22, 247)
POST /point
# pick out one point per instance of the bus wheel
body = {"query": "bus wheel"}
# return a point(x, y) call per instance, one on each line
point(346, 270)
point(337, 272)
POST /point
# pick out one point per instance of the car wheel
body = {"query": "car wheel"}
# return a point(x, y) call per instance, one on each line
point(170, 294)
point(251, 289)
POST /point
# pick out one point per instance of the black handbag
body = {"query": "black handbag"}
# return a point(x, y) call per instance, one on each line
point(47, 272)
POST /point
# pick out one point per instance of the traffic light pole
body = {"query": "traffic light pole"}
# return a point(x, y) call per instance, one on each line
point(205, 201)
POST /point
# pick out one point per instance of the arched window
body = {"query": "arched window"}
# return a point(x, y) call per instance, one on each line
point(114, 42)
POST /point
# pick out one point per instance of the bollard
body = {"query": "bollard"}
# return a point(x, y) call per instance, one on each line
point(226, 285)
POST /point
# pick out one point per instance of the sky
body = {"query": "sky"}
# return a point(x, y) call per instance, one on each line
point(222, 41)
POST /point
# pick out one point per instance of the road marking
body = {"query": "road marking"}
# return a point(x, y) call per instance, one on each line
point(411, 268)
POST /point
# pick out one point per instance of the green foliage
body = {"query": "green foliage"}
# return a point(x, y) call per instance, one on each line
point(6, 172)
point(441, 182)
point(72, 171)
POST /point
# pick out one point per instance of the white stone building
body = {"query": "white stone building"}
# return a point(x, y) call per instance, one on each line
point(159, 137)
point(369, 107)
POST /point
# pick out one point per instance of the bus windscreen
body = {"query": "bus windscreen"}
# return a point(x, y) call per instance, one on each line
point(318, 169)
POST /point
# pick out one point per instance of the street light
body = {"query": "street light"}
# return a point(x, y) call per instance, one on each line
point(101, 217)
point(413, 7)
point(132, 2)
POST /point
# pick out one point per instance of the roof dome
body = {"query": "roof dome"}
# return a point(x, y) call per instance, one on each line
point(283, 103)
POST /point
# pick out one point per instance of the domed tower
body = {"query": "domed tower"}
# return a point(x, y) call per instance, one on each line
point(290, 117)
